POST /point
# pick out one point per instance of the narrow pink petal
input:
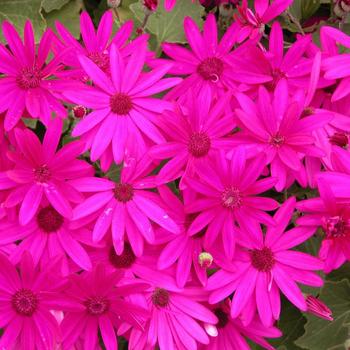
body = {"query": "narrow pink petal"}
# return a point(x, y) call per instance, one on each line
point(103, 223)
point(92, 204)
point(58, 200)
point(289, 288)
point(108, 333)
point(90, 121)
point(52, 138)
point(299, 260)
point(244, 291)
point(30, 204)
point(117, 67)
point(263, 299)
point(141, 221)
point(74, 250)
point(103, 137)
point(88, 31)
point(97, 75)
point(155, 213)
point(194, 38)
point(104, 30)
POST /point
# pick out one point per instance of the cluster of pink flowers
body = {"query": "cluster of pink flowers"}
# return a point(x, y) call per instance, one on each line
point(193, 242)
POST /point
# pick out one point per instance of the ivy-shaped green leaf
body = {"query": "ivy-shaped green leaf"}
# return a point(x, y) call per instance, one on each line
point(168, 26)
point(291, 323)
point(324, 335)
point(18, 11)
point(50, 5)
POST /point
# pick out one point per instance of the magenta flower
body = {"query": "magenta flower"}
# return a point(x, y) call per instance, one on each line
point(194, 137)
point(229, 197)
point(47, 236)
point(27, 298)
point(252, 24)
point(97, 302)
point(27, 83)
point(95, 44)
point(126, 207)
point(207, 66)
point(121, 104)
point(278, 128)
point(265, 266)
point(275, 63)
point(231, 333)
point(334, 219)
point(176, 316)
point(41, 172)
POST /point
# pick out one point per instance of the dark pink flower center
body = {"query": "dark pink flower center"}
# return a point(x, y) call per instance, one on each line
point(276, 75)
point(49, 220)
point(24, 302)
point(262, 259)
point(199, 144)
point(339, 139)
point(97, 305)
point(79, 112)
point(211, 69)
point(29, 78)
point(307, 112)
point(120, 103)
point(231, 198)
point(160, 297)
point(336, 227)
point(277, 140)
point(123, 192)
point(123, 261)
point(42, 174)
point(222, 317)
point(100, 59)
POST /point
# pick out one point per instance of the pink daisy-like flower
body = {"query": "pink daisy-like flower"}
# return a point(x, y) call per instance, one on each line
point(276, 63)
point(95, 44)
point(48, 235)
point(252, 24)
point(125, 206)
point(27, 81)
point(228, 197)
point(231, 333)
point(207, 66)
point(334, 219)
point(121, 104)
point(27, 298)
point(96, 302)
point(278, 128)
point(194, 136)
point(176, 317)
point(265, 266)
point(40, 172)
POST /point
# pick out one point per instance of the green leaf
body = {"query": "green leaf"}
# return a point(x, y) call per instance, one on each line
point(18, 11)
point(339, 274)
point(50, 5)
point(68, 15)
point(291, 323)
point(168, 26)
point(324, 335)
point(304, 9)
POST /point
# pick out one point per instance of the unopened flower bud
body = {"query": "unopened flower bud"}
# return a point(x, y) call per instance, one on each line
point(205, 260)
point(113, 3)
point(79, 112)
point(150, 6)
point(318, 308)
